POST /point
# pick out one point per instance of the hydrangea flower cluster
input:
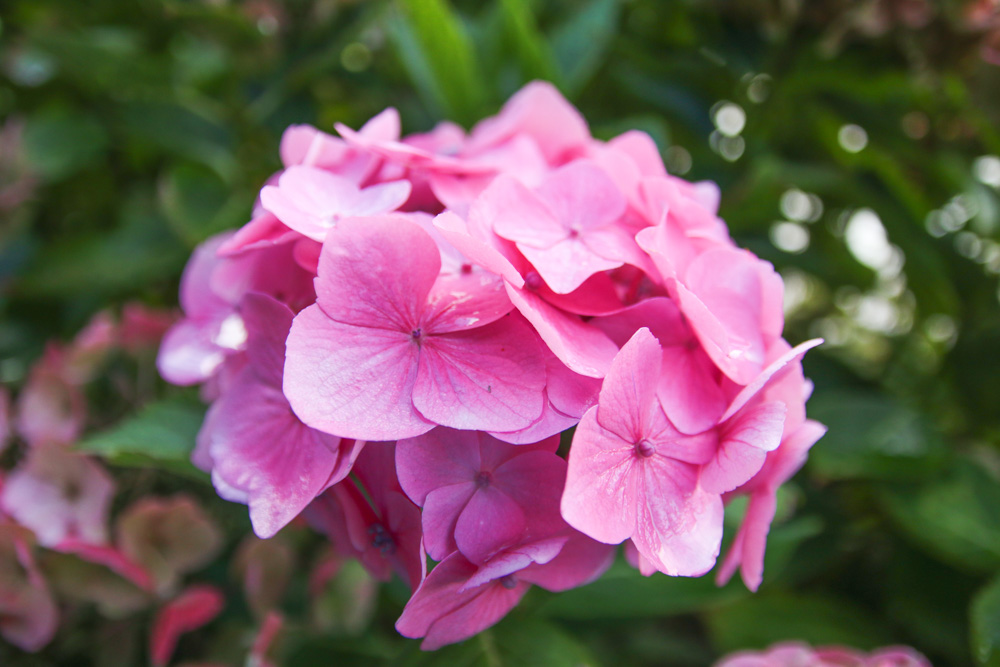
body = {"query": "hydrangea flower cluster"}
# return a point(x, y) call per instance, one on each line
point(396, 340)
point(797, 654)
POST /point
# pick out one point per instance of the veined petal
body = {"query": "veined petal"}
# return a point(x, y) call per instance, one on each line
point(377, 272)
point(629, 389)
point(490, 378)
point(352, 381)
point(601, 494)
point(583, 348)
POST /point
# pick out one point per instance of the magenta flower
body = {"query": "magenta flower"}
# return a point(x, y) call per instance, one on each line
point(459, 598)
point(633, 475)
point(478, 493)
point(212, 331)
point(372, 519)
point(273, 461)
point(387, 352)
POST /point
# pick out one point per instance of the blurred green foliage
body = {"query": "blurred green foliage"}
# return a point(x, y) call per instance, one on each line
point(133, 130)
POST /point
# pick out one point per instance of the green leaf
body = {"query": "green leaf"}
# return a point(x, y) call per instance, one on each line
point(581, 43)
point(986, 625)
point(182, 131)
point(437, 52)
point(162, 435)
point(58, 143)
point(757, 622)
point(872, 436)
point(141, 250)
point(955, 517)
point(198, 203)
point(533, 52)
point(624, 593)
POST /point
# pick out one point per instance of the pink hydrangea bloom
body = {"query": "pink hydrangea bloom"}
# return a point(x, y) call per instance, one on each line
point(470, 296)
point(478, 494)
point(796, 654)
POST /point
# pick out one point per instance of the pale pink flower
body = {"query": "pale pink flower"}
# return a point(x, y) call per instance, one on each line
point(51, 410)
point(59, 494)
point(798, 654)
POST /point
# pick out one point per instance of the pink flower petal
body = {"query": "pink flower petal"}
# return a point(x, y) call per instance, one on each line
point(352, 381)
point(629, 388)
point(441, 510)
point(377, 272)
point(582, 347)
point(195, 607)
point(443, 613)
point(600, 496)
point(491, 520)
point(744, 445)
point(490, 378)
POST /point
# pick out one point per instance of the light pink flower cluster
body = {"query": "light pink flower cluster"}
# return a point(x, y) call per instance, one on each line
point(56, 548)
point(795, 654)
point(396, 339)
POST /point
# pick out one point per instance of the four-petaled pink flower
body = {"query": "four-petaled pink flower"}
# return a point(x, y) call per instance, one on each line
point(388, 351)
point(633, 475)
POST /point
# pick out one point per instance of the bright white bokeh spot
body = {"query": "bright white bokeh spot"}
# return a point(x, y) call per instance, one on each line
point(867, 240)
point(795, 204)
point(876, 313)
point(730, 118)
point(789, 236)
point(797, 291)
point(987, 170)
point(816, 206)
point(852, 138)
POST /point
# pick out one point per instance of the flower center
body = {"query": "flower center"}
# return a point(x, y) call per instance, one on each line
point(381, 539)
point(417, 335)
point(508, 582)
point(483, 480)
point(645, 448)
